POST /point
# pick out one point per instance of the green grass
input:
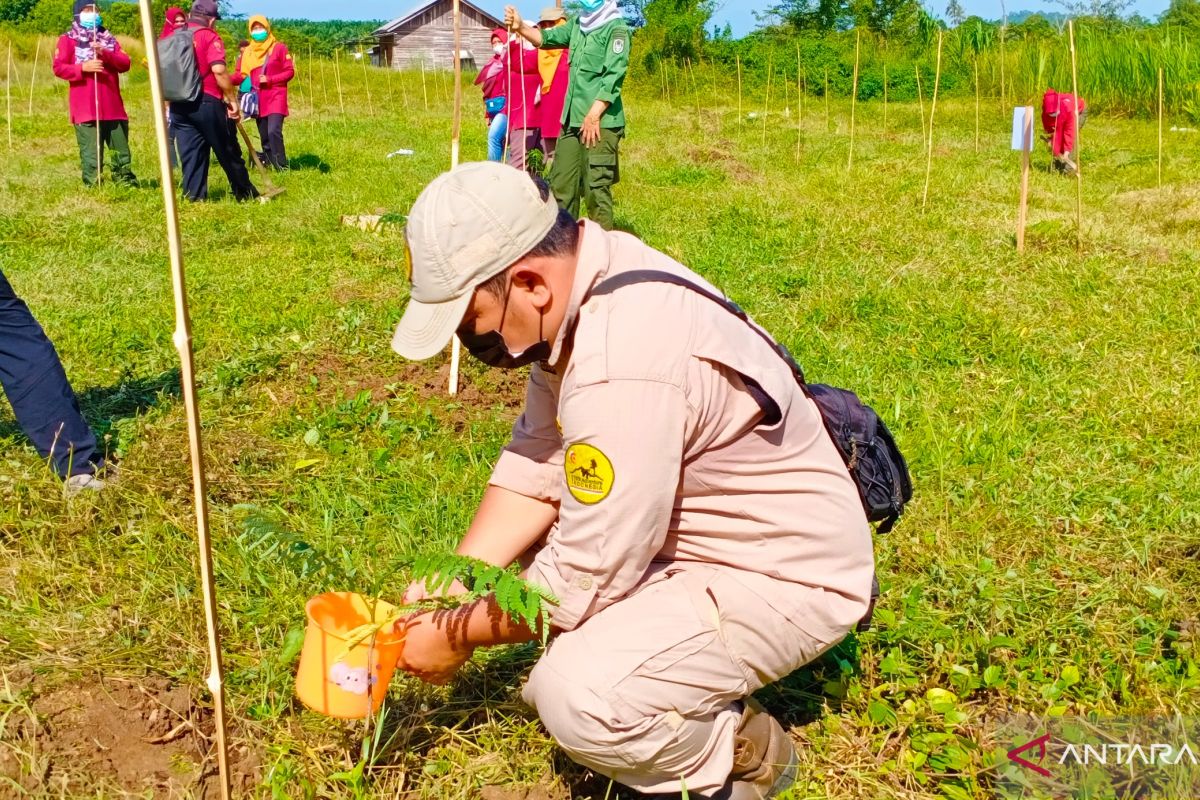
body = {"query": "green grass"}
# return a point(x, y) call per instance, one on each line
point(1046, 403)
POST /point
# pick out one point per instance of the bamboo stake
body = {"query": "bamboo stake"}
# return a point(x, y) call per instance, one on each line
point(324, 89)
point(337, 74)
point(799, 104)
point(885, 88)
point(366, 80)
point(937, 76)
point(8, 71)
point(767, 101)
point(1003, 36)
point(312, 90)
point(425, 89)
point(662, 74)
point(1078, 147)
point(33, 75)
point(696, 95)
point(1160, 125)
point(853, 101)
point(738, 59)
point(827, 99)
point(455, 133)
point(921, 102)
point(183, 343)
point(976, 104)
point(96, 97)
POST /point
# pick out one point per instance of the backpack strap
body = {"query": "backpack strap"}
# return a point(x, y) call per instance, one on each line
point(610, 285)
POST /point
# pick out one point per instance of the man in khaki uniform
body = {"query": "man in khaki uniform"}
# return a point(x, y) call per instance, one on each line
point(587, 156)
point(668, 482)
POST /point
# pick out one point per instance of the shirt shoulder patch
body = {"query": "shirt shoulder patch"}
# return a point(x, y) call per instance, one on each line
point(588, 472)
point(618, 45)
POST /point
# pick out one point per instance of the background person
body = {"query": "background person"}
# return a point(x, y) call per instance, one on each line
point(268, 65)
point(668, 482)
point(41, 397)
point(554, 69)
point(174, 19)
point(202, 126)
point(89, 58)
point(586, 159)
point(524, 87)
point(1063, 114)
point(491, 81)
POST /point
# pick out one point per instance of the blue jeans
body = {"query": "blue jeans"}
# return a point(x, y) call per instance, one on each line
point(497, 130)
point(37, 387)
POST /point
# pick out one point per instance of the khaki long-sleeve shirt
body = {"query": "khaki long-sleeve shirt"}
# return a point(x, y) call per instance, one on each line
point(641, 425)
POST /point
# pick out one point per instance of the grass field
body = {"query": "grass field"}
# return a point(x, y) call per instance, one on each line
point(1046, 403)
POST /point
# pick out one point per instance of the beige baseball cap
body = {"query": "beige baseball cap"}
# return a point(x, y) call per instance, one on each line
point(553, 14)
point(467, 226)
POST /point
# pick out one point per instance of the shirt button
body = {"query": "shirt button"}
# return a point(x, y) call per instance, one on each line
point(584, 582)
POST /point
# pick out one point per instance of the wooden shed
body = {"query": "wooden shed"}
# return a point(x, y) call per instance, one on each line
point(425, 35)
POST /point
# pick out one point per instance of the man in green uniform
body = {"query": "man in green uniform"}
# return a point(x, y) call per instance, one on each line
point(586, 162)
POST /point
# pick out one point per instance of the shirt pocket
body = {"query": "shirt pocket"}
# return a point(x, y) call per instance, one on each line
point(591, 55)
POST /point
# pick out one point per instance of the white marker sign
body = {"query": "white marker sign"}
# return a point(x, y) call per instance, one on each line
point(1019, 140)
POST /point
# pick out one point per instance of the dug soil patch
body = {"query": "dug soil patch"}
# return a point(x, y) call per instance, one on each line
point(147, 737)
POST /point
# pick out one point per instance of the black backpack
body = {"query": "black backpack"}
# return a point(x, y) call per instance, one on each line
point(875, 462)
point(181, 80)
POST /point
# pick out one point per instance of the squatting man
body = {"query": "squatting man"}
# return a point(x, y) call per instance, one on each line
point(668, 483)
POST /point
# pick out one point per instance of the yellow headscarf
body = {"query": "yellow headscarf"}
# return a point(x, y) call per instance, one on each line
point(256, 54)
point(548, 62)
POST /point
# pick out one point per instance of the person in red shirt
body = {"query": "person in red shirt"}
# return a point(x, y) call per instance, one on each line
point(89, 58)
point(268, 65)
point(202, 126)
point(1063, 115)
point(554, 68)
point(491, 81)
point(523, 85)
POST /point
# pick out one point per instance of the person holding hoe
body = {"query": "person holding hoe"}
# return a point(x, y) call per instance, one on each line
point(268, 67)
point(669, 483)
point(587, 159)
point(90, 59)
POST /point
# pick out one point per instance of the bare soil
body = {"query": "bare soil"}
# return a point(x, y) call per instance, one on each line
point(146, 736)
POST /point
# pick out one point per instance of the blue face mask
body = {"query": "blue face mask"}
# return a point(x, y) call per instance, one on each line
point(89, 19)
point(259, 35)
point(591, 6)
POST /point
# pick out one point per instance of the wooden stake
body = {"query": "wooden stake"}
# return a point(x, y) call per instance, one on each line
point(662, 73)
point(976, 104)
point(853, 100)
point(1023, 205)
point(96, 97)
point(324, 90)
point(1160, 125)
point(921, 102)
point(337, 74)
point(33, 75)
point(767, 101)
point(738, 59)
point(183, 343)
point(1078, 147)
point(937, 77)
point(1003, 36)
point(455, 132)
point(696, 95)
point(366, 80)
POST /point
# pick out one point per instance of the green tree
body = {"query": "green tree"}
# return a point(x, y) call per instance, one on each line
point(955, 13)
point(674, 29)
point(1182, 14)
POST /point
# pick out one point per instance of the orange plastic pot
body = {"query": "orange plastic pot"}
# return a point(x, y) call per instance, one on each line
point(339, 683)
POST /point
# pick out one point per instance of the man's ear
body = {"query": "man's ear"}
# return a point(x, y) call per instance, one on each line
point(531, 280)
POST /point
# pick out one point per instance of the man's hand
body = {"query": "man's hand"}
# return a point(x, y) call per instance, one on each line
point(512, 18)
point(431, 652)
point(262, 81)
point(95, 65)
point(232, 110)
point(589, 133)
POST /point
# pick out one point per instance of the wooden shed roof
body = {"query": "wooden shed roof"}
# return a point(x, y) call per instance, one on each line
point(401, 21)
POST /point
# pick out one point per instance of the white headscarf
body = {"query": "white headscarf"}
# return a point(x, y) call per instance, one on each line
point(600, 17)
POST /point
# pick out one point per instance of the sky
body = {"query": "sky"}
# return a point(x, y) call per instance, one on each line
point(739, 14)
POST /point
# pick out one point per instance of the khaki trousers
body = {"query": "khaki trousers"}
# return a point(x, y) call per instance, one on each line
point(646, 690)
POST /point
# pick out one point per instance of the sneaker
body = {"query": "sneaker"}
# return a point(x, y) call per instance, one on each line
point(91, 481)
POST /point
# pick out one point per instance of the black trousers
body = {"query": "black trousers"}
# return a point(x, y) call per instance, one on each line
point(37, 387)
point(270, 130)
point(202, 128)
